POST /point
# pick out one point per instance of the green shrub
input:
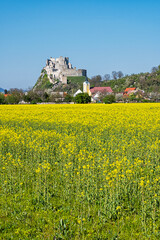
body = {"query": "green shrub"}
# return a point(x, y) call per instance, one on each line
point(82, 98)
point(68, 98)
point(109, 99)
point(2, 98)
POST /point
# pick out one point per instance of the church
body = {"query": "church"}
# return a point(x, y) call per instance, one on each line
point(94, 92)
point(86, 88)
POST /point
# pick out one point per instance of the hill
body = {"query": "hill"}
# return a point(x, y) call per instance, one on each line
point(73, 84)
point(149, 82)
point(43, 82)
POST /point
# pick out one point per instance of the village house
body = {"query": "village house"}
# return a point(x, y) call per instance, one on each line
point(98, 92)
point(138, 93)
point(128, 91)
point(101, 90)
point(95, 92)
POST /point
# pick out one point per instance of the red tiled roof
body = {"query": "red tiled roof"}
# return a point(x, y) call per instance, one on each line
point(7, 95)
point(129, 89)
point(101, 89)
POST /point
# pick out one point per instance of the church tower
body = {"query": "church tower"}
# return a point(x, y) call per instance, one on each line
point(86, 87)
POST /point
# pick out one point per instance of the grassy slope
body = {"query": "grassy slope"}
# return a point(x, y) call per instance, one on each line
point(43, 83)
point(74, 83)
point(78, 80)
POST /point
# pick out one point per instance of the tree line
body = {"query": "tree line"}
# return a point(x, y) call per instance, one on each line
point(98, 80)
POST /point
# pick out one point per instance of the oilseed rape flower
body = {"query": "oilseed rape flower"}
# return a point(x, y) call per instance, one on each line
point(80, 171)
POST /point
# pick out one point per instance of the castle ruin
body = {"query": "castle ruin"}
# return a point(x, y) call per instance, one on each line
point(60, 68)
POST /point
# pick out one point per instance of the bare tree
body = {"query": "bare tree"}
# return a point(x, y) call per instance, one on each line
point(114, 75)
point(154, 69)
point(15, 91)
point(107, 77)
point(120, 74)
point(96, 80)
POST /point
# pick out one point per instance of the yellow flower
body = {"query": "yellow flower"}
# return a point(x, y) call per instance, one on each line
point(38, 170)
point(79, 221)
point(118, 208)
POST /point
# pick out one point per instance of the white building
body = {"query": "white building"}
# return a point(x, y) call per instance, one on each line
point(79, 91)
point(86, 87)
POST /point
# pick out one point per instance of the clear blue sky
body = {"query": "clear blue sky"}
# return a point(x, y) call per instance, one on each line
point(98, 35)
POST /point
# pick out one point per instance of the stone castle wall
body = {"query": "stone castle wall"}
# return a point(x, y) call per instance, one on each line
point(60, 68)
point(73, 72)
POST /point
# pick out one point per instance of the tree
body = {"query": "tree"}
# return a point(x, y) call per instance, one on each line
point(2, 98)
point(96, 81)
point(68, 98)
point(12, 99)
point(109, 99)
point(15, 96)
point(154, 69)
point(46, 97)
point(98, 78)
point(120, 74)
point(107, 77)
point(32, 97)
point(132, 97)
point(114, 75)
point(82, 98)
point(16, 91)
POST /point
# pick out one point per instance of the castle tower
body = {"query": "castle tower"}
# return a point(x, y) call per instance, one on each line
point(86, 87)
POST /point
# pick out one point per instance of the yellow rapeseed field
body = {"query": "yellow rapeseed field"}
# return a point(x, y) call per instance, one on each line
point(80, 171)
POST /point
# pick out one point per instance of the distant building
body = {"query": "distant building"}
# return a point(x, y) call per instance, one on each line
point(58, 96)
point(95, 92)
point(102, 90)
point(128, 91)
